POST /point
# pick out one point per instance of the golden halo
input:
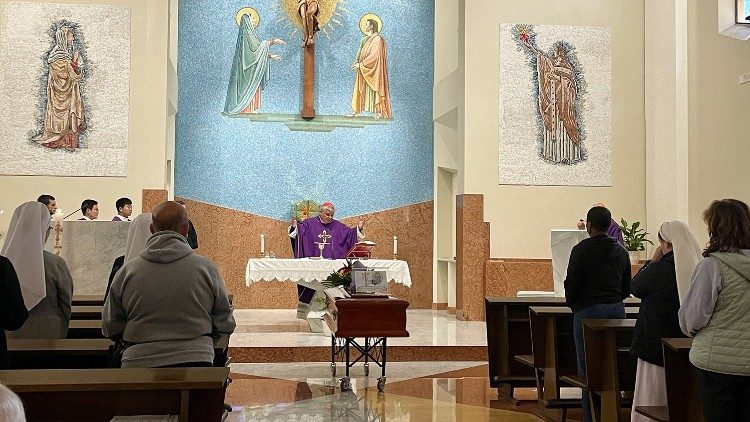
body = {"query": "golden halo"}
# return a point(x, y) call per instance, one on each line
point(363, 22)
point(326, 11)
point(248, 11)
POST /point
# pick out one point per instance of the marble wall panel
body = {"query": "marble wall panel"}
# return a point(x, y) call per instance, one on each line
point(229, 238)
point(89, 248)
point(507, 276)
point(472, 252)
point(151, 198)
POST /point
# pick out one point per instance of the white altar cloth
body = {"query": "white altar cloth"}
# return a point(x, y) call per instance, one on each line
point(307, 270)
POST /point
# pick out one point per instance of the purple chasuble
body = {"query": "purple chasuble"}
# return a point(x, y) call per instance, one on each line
point(615, 233)
point(341, 241)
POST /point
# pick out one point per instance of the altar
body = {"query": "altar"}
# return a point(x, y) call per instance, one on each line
point(307, 270)
point(309, 273)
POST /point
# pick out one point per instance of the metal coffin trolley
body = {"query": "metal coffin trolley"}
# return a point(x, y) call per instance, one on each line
point(372, 317)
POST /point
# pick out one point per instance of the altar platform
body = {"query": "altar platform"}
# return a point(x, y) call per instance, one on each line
point(276, 335)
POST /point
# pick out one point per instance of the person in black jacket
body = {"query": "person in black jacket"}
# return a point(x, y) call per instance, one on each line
point(598, 280)
point(656, 284)
point(192, 236)
point(13, 311)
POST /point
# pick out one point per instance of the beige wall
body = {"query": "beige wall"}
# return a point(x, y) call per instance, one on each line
point(147, 147)
point(719, 111)
point(522, 216)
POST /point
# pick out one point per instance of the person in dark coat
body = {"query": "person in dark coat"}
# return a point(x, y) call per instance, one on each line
point(13, 312)
point(660, 284)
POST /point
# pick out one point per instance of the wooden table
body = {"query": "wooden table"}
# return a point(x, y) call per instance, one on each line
point(195, 394)
point(59, 354)
point(86, 312)
point(610, 368)
point(375, 319)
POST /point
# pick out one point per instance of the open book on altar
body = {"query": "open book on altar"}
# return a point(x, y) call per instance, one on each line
point(361, 249)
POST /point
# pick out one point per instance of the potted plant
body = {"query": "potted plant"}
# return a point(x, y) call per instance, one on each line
point(635, 239)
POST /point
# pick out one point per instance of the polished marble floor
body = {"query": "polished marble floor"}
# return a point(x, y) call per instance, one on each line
point(281, 328)
point(415, 391)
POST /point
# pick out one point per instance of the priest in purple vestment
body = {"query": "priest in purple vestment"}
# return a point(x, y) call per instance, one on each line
point(339, 236)
point(614, 230)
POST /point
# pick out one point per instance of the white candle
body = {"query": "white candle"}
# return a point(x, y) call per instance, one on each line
point(395, 245)
point(262, 244)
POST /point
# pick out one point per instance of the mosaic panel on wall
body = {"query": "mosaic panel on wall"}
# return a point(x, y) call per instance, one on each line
point(241, 142)
point(555, 105)
point(64, 85)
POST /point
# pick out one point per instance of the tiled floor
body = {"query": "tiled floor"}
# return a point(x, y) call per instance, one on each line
point(281, 328)
point(448, 391)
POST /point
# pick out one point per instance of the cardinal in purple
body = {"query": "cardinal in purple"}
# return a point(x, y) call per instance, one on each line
point(339, 236)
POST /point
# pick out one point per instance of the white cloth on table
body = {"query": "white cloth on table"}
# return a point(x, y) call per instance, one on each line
point(650, 389)
point(306, 270)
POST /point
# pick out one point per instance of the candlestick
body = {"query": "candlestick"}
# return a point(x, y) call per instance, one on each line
point(262, 245)
point(395, 247)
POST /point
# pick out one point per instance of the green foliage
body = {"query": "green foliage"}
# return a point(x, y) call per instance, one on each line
point(634, 236)
point(342, 277)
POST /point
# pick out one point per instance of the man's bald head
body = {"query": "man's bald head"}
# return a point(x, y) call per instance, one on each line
point(170, 216)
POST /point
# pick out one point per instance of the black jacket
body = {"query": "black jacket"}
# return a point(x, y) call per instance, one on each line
point(192, 236)
point(656, 286)
point(598, 273)
point(13, 312)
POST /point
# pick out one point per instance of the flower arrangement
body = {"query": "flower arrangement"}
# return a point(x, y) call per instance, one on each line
point(634, 236)
point(341, 277)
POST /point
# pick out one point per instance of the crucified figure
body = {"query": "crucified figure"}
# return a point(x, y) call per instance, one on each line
point(308, 13)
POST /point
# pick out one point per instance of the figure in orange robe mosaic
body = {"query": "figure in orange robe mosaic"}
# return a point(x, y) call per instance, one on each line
point(371, 90)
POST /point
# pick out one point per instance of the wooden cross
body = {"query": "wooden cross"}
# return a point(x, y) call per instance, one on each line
point(308, 10)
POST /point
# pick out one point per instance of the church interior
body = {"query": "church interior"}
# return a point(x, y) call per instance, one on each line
point(459, 142)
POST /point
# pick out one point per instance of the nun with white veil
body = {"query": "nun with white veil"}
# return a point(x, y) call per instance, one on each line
point(138, 233)
point(661, 285)
point(46, 284)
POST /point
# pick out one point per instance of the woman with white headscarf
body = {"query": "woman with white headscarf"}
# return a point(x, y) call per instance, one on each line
point(46, 284)
point(138, 233)
point(661, 285)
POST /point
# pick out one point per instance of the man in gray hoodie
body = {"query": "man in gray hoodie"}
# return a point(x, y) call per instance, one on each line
point(169, 305)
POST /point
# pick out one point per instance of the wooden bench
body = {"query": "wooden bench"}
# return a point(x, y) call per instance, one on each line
point(86, 312)
point(85, 328)
point(554, 353)
point(509, 336)
point(88, 300)
point(59, 354)
point(194, 394)
point(610, 368)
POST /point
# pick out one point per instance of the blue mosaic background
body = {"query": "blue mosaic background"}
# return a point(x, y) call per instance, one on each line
point(262, 167)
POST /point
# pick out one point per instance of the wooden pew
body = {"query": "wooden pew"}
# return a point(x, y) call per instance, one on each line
point(509, 335)
point(195, 394)
point(86, 312)
point(683, 402)
point(610, 368)
point(85, 328)
point(59, 354)
point(554, 353)
point(88, 300)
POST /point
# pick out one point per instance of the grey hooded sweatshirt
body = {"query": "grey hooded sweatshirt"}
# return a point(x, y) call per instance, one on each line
point(170, 303)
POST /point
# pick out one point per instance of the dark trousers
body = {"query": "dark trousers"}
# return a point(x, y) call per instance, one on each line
point(601, 311)
point(724, 397)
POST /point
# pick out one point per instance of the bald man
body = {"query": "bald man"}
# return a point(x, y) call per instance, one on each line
point(169, 305)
